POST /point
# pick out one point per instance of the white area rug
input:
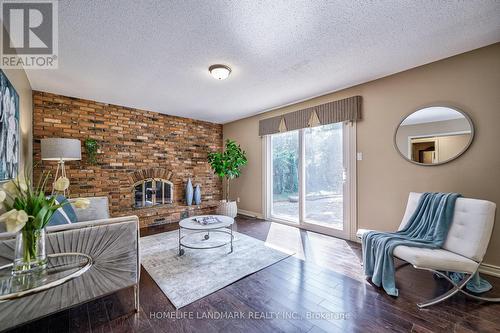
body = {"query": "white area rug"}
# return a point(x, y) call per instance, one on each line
point(199, 273)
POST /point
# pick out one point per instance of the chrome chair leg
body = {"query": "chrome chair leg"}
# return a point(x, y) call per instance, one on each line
point(456, 288)
point(136, 298)
point(480, 298)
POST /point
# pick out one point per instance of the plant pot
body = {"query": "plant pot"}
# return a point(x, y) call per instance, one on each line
point(29, 254)
point(227, 208)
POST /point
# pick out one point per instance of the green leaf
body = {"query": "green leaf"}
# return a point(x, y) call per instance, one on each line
point(227, 164)
point(40, 217)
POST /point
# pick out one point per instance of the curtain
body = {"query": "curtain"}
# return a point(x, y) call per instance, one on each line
point(347, 109)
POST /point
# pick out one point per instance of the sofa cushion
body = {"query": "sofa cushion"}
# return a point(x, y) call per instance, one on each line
point(63, 215)
point(471, 228)
point(97, 210)
point(437, 259)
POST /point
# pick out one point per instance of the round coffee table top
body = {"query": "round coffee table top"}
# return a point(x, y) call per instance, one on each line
point(191, 224)
point(61, 267)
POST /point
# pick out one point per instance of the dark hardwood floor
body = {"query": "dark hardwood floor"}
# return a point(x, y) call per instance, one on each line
point(320, 289)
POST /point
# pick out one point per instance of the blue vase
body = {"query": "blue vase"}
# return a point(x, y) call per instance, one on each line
point(189, 192)
point(197, 194)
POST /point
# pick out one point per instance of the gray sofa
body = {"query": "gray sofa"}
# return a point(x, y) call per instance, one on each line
point(113, 244)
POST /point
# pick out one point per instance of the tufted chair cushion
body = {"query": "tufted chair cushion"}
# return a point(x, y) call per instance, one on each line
point(471, 228)
point(97, 210)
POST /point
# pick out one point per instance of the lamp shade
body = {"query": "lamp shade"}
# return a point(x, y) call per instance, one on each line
point(55, 149)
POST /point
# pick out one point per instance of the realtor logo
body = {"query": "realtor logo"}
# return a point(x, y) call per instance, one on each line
point(29, 34)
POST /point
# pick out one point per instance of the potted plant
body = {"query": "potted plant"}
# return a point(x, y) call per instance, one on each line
point(27, 212)
point(92, 147)
point(228, 164)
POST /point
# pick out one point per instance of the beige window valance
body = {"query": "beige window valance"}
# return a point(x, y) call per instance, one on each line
point(347, 109)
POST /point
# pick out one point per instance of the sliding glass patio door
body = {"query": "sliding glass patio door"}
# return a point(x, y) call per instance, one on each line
point(285, 154)
point(309, 179)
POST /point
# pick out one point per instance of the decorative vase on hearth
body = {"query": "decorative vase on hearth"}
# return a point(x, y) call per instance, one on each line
point(197, 194)
point(189, 192)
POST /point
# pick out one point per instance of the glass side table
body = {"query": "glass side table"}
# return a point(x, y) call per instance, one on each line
point(61, 267)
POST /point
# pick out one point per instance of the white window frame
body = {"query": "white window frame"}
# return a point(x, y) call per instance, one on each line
point(350, 185)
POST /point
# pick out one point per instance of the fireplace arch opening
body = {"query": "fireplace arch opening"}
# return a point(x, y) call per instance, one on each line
point(152, 192)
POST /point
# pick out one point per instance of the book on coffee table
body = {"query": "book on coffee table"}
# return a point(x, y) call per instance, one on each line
point(205, 220)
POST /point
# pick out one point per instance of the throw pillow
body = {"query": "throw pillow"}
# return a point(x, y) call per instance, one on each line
point(63, 215)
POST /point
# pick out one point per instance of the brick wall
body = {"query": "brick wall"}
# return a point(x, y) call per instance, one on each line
point(131, 140)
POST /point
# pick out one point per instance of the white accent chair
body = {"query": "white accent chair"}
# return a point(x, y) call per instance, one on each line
point(463, 250)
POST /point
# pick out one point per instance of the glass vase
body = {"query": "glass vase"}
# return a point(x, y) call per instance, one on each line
point(29, 254)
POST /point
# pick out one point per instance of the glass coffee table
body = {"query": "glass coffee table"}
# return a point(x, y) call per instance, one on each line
point(198, 236)
point(61, 267)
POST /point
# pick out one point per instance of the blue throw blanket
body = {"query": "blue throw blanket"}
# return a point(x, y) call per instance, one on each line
point(426, 228)
point(477, 284)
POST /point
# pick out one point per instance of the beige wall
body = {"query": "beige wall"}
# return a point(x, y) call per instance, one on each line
point(20, 82)
point(470, 81)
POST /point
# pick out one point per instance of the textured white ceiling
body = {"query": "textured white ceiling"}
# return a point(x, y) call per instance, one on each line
point(155, 54)
point(432, 114)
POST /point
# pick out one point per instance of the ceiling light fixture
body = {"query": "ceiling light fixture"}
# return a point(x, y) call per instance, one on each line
point(219, 72)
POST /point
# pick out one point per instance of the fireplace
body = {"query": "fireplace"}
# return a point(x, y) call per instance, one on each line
point(152, 192)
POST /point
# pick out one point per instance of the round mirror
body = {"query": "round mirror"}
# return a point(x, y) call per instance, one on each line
point(434, 135)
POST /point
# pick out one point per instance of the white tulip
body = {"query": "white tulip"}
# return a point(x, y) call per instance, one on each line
point(14, 220)
point(22, 216)
point(23, 186)
point(8, 215)
point(10, 187)
point(81, 203)
point(62, 184)
point(20, 181)
point(3, 196)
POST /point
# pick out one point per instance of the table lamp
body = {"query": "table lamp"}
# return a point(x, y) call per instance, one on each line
point(61, 150)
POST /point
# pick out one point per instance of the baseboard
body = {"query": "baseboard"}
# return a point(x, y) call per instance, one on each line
point(250, 213)
point(490, 270)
